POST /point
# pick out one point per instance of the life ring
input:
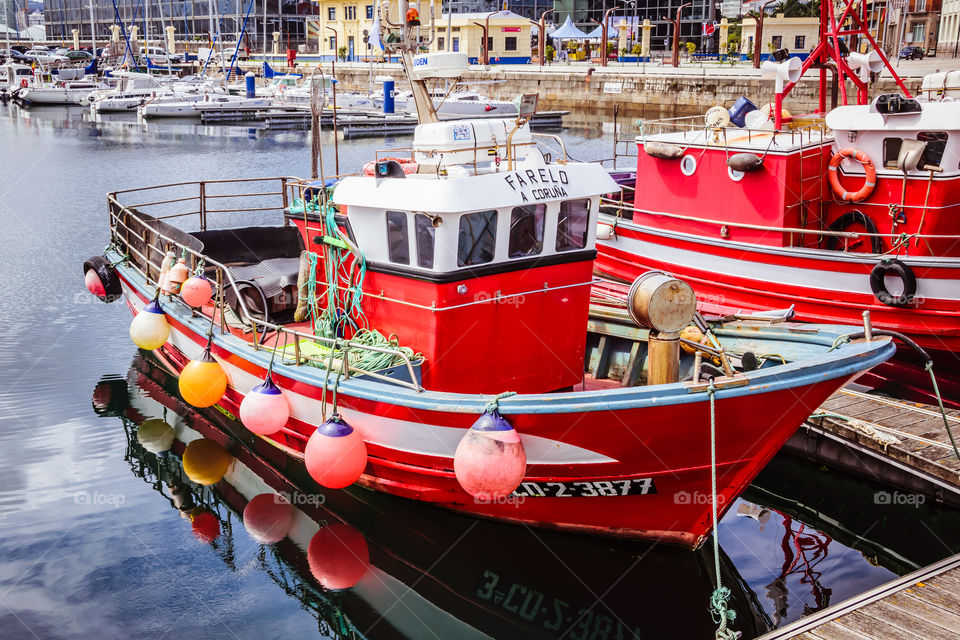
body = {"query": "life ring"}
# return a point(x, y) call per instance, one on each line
point(902, 271)
point(849, 219)
point(407, 164)
point(869, 183)
point(23, 83)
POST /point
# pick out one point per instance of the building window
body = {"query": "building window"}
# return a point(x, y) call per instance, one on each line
point(776, 42)
point(918, 33)
point(489, 44)
point(510, 43)
point(440, 43)
point(572, 224)
point(921, 5)
point(799, 42)
point(369, 10)
point(331, 13)
point(398, 243)
point(526, 230)
point(456, 44)
point(333, 43)
point(350, 12)
point(478, 238)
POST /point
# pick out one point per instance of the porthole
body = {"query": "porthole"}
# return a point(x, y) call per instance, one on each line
point(735, 175)
point(688, 164)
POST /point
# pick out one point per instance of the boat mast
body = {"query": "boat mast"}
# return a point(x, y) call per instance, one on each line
point(407, 47)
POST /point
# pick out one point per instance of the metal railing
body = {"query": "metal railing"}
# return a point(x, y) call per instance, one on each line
point(694, 130)
point(126, 224)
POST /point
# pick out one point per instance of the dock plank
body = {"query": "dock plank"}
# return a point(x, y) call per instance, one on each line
point(921, 608)
point(934, 595)
point(873, 627)
point(835, 631)
point(907, 621)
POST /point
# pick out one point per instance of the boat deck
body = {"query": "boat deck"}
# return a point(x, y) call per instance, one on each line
point(900, 443)
point(922, 605)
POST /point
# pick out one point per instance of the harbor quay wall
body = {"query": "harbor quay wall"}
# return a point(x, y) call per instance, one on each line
point(656, 93)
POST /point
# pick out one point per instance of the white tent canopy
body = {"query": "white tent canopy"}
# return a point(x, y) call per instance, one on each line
point(568, 31)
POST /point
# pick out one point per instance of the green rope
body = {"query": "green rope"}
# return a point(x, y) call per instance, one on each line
point(720, 596)
point(943, 413)
point(494, 404)
point(839, 342)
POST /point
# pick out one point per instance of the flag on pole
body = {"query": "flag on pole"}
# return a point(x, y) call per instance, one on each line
point(709, 28)
point(375, 32)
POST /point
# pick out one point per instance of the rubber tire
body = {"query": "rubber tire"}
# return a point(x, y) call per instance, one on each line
point(851, 218)
point(906, 276)
point(108, 277)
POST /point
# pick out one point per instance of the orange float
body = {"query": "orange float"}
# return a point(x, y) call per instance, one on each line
point(868, 184)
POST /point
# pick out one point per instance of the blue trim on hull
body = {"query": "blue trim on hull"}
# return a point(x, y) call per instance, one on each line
point(845, 361)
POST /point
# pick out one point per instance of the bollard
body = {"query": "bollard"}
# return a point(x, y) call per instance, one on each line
point(251, 85)
point(388, 104)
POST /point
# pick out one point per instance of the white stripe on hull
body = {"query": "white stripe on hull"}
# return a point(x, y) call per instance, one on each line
point(399, 435)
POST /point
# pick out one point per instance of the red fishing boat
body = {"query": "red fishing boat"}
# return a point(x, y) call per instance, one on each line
point(364, 323)
point(825, 214)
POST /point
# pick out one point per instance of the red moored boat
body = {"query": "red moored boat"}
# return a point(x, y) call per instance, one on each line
point(830, 214)
point(364, 323)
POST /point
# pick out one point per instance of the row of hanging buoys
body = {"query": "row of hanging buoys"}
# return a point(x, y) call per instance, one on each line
point(490, 461)
point(338, 556)
point(268, 517)
point(205, 461)
point(335, 455)
point(265, 409)
point(149, 328)
point(203, 381)
point(155, 435)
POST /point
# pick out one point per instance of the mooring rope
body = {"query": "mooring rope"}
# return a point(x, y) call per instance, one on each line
point(722, 615)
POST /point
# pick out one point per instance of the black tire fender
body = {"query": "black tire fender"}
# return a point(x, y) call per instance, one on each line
point(902, 271)
point(108, 276)
point(845, 221)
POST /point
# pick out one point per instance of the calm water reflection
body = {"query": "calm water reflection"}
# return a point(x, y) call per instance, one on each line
point(101, 538)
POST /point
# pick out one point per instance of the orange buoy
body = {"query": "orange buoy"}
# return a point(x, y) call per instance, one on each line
point(490, 460)
point(168, 261)
point(196, 291)
point(268, 518)
point(335, 455)
point(203, 381)
point(338, 556)
point(205, 461)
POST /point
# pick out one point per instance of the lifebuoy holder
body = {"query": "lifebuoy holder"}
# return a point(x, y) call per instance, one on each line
point(23, 83)
point(869, 182)
point(892, 266)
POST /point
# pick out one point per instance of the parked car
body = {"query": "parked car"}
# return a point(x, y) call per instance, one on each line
point(22, 48)
point(61, 51)
point(13, 56)
point(45, 57)
point(911, 53)
point(160, 56)
point(79, 55)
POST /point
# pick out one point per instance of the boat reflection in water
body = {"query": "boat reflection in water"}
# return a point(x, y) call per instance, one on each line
point(367, 564)
point(372, 565)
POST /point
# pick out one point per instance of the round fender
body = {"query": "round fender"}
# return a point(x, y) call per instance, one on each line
point(847, 220)
point(902, 271)
point(107, 275)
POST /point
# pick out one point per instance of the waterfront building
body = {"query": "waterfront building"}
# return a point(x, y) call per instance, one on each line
point(194, 20)
point(798, 35)
point(949, 40)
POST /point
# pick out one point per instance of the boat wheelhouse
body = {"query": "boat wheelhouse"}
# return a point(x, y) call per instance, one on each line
point(830, 213)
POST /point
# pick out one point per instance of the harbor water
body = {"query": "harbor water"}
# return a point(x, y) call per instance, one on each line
point(100, 538)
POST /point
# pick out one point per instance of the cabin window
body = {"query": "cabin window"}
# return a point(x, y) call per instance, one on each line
point(936, 143)
point(526, 230)
point(425, 232)
point(398, 243)
point(478, 238)
point(572, 225)
point(891, 151)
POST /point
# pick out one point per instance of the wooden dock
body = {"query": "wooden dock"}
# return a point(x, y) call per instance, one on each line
point(352, 123)
point(923, 605)
point(899, 443)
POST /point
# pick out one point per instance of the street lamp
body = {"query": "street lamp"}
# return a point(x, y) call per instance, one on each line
point(603, 39)
point(756, 44)
point(675, 61)
point(333, 64)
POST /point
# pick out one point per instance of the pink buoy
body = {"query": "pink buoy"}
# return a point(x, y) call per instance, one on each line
point(196, 291)
point(268, 518)
point(265, 409)
point(338, 556)
point(490, 461)
point(335, 454)
point(93, 284)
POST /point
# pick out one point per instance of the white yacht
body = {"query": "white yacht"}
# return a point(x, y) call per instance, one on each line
point(132, 90)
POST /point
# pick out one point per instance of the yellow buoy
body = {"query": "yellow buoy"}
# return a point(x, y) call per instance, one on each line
point(149, 329)
point(206, 461)
point(203, 381)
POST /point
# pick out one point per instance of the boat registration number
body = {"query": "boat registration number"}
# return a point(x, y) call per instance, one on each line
point(587, 489)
